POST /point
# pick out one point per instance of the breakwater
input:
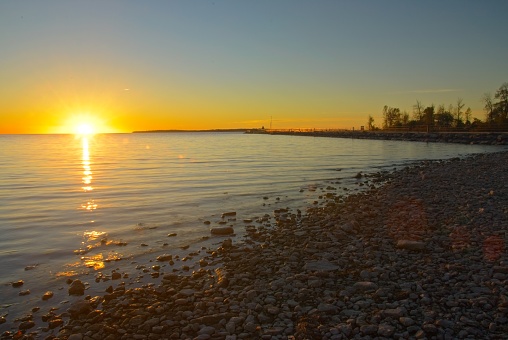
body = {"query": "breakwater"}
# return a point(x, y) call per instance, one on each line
point(490, 138)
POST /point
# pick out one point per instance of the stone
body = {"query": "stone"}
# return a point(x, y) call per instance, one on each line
point(321, 265)
point(17, 283)
point(26, 325)
point(77, 336)
point(385, 330)
point(77, 288)
point(411, 245)
point(365, 286)
point(222, 231)
point(164, 257)
point(48, 295)
point(79, 308)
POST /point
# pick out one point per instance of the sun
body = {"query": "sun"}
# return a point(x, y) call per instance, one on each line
point(84, 129)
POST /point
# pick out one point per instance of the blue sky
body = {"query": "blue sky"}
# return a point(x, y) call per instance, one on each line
point(213, 64)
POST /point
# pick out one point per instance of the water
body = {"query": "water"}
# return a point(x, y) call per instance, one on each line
point(73, 207)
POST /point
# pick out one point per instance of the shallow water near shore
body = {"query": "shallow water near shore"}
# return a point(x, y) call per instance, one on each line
point(73, 207)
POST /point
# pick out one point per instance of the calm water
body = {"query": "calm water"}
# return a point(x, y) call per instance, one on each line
point(69, 205)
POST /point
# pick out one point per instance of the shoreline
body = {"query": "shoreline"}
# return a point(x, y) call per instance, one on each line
point(423, 255)
point(482, 138)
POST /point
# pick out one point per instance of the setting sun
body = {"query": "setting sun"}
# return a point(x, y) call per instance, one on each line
point(84, 129)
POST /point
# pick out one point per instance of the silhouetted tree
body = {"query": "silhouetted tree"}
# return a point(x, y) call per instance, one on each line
point(443, 117)
point(501, 107)
point(429, 115)
point(458, 119)
point(488, 107)
point(370, 123)
point(468, 115)
point(418, 111)
point(391, 117)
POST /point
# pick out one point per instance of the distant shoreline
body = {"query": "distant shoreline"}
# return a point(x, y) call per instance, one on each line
point(176, 131)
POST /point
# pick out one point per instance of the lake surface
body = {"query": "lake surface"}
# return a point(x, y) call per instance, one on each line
point(76, 206)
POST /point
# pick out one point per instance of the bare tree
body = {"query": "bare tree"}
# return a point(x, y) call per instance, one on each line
point(460, 106)
point(418, 110)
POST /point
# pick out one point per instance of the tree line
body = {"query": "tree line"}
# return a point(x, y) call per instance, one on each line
point(451, 116)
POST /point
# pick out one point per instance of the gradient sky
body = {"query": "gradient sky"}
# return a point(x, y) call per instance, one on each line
point(144, 65)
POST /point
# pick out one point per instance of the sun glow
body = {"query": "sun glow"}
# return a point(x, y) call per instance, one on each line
point(84, 129)
point(85, 124)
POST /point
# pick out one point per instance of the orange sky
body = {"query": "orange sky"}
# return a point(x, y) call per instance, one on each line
point(124, 66)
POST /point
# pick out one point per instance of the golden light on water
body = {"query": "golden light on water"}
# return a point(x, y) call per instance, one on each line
point(87, 169)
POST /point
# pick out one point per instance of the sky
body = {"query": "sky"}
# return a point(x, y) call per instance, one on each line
point(120, 66)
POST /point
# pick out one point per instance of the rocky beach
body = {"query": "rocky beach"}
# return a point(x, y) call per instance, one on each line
point(421, 256)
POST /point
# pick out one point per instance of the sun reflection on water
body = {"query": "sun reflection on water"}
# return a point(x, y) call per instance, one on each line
point(87, 170)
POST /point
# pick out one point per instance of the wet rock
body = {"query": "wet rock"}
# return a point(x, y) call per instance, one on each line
point(26, 325)
point(77, 288)
point(164, 257)
point(222, 231)
point(230, 213)
point(17, 283)
point(48, 295)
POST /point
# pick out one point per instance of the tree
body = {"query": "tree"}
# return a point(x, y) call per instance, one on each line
point(405, 118)
point(468, 115)
point(370, 123)
point(429, 115)
point(460, 105)
point(418, 110)
point(391, 117)
point(443, 117)
point(488, 107)
point(502, 105)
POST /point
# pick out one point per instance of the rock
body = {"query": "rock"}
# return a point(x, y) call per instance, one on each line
point(77, 336)
point(385, 330)
point(369, 329)
point(116, 276)
point(321, 265)
point(230, 213)
point(79, 308)
point(2, 320)
point(410, 245)
point(365, 286)
point(171, 234)
point(48, 295)
point(77, 288)
point(26, 325)
point(227, 244)
point(17, 283)
point(24, 292)
point(164, 257)
point(222, 231)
